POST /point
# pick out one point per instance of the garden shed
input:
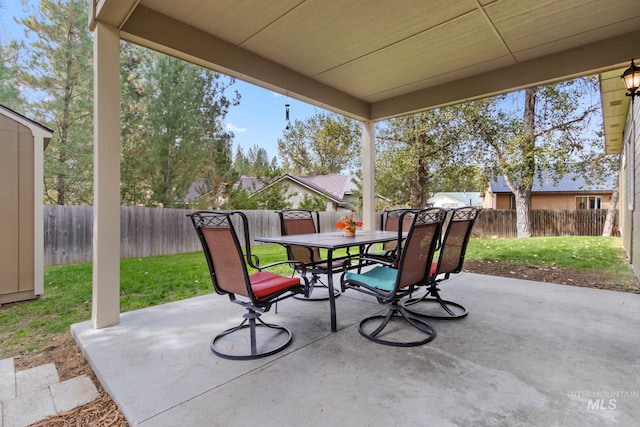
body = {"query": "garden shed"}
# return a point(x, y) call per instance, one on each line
point(22, 142)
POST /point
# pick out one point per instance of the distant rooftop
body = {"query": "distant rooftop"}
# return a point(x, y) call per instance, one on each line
point(470, 198)
point(569, 183)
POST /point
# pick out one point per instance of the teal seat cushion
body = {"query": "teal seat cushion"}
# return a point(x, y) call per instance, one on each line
point(378, 277)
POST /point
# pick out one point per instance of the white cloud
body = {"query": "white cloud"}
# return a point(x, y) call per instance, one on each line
point(231, 127)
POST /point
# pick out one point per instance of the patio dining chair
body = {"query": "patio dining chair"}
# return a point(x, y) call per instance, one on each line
point(389, 282)
point(301, 221)
point(225, 241)
point(450, 261)
point(389, 221)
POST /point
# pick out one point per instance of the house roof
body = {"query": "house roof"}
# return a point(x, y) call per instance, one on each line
point(375, 60)
point(569, 183)
point(250, 183)
point(335, 186)
point(472, 198)
point(195, 190)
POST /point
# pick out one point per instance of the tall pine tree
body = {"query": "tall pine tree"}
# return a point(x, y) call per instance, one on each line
point(58, 69)
point(172, 129)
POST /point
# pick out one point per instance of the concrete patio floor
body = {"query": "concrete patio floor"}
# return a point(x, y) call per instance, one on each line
point(528, 353)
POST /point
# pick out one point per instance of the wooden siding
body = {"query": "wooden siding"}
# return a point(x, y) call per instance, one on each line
point(555, 201)
point(635, 214)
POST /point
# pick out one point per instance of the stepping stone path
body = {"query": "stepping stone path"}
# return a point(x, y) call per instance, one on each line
point(32, 395)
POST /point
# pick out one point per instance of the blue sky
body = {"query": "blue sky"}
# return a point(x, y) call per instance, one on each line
point(258, 120)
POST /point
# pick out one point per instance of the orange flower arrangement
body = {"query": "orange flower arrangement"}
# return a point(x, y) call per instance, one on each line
point(348, 223)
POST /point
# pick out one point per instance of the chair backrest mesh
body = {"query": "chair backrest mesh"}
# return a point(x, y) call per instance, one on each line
point(223, 251)
point(299, 222)
point(391, 222)
point(420, 246)
point(455, 240)
point(228, 264)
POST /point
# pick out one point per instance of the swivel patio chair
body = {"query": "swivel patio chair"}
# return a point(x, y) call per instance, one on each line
point(225, 241)
point(450, 261)
point(300, 221)
point(389, 221)
point(390, 284)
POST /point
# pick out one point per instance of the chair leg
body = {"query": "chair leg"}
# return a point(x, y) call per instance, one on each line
point(448, 310)
point(251, 339)
point(397, 313)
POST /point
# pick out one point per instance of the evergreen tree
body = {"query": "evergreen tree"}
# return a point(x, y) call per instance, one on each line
point(58, 68)
point(173, 131)
point(10, 95)
point(134, 185)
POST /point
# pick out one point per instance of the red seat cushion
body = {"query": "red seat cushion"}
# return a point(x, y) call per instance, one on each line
point(265, 283)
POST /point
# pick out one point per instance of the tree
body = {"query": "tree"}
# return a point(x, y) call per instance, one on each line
point(9, 92)
point(549, 137)
point(313, 203)
point(217, 163)
point(133, 185)
point(611, 212)
point(173, 130)
point(255, 163)
point(58, 67)
point(323, 144)
point(457, 176)
point(239, 198)
point(274, 197)
point(413, 153)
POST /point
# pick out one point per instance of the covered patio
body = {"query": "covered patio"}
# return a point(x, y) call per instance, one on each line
point(528, 353)
point(369, 60)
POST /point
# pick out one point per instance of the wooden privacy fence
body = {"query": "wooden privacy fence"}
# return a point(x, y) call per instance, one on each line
point(566, 222)
point(68, 230)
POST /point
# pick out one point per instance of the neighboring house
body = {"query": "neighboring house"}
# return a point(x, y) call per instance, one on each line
point(572, 191)
point(198, 192)
point(339, 191)
point(456, 199)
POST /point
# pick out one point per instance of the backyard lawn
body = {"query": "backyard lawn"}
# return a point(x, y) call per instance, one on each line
point(29, 326)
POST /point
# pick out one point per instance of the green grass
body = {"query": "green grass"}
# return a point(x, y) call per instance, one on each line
point(576, 252)
point(29, 326)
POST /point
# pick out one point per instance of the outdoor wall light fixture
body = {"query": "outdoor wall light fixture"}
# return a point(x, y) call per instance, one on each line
point(631, 78)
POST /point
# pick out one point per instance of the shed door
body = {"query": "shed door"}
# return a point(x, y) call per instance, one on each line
point(16, 211)
point(9, 225)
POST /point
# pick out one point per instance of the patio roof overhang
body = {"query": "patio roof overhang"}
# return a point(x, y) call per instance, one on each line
point(369, 60)
point(375, 60)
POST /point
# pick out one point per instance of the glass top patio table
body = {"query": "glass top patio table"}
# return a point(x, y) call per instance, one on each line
point(332, 241)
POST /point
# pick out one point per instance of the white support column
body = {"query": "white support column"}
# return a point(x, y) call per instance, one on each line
point(368, 174)
point(105, 310)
